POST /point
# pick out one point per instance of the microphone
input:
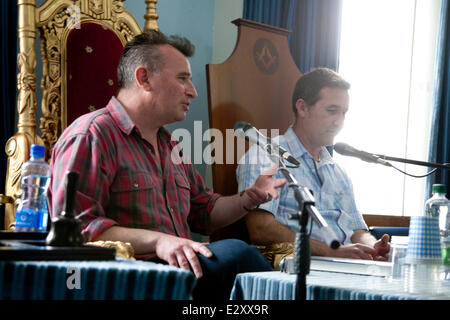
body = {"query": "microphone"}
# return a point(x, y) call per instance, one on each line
point(346, 150)
point(247, 131)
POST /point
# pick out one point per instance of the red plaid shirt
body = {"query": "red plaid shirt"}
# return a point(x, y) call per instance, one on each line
point(120, 182)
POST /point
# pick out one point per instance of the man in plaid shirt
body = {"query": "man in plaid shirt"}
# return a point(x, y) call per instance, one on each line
point(134, 186)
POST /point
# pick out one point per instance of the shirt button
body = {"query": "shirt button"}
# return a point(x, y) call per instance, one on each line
point(136, 185)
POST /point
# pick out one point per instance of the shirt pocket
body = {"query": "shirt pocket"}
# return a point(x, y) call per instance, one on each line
point(182, 194)
point(132, 194)
point(333, 196)
point(133, 182)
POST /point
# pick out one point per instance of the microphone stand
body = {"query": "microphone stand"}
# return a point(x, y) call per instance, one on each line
point(306, 201)
point(415, 162)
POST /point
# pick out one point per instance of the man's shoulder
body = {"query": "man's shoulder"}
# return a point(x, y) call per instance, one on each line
point(84, 124)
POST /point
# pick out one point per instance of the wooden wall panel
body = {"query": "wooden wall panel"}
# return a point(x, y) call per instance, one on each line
point(255, 84)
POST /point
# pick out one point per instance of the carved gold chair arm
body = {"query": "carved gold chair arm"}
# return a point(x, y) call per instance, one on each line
point(123, 249)
point(274, 253)
point(5, 199)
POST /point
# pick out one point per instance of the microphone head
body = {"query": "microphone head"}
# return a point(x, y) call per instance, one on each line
point(242, 125)
point(248, 132)
point(347, 150)
point(344, 149)
point(240, 128)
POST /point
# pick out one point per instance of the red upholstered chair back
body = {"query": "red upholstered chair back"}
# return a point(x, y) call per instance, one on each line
point(81, 44)
point(93, 53)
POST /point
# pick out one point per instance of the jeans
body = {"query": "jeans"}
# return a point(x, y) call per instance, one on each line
point(230, 257)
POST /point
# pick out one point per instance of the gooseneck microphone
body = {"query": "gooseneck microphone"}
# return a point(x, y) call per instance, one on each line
point(247, 131)
point(346, 150)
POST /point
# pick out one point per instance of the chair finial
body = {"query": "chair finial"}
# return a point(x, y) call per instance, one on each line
point(151, 16)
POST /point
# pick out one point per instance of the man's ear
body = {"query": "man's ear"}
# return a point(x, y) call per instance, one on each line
point(143, 76)
point(301, 107)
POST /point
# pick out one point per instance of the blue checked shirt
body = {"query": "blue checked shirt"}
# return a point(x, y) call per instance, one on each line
point(334, 199)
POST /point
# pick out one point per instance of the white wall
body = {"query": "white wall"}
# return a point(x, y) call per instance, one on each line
point(225, 33)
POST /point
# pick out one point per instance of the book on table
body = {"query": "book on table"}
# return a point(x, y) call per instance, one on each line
point(343, 265)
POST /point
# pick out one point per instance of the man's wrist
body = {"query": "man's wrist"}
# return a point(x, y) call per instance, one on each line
point(241, 197)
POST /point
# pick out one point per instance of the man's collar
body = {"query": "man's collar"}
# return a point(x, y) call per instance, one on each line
point(298, 150)
point(126, 125)
point(120, 116)
point(295, 146)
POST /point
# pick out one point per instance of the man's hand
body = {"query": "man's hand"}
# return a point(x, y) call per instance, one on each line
point(382, 248)
point(378, 250)
point(181, 253)
point(354, 251)
point(263, 190)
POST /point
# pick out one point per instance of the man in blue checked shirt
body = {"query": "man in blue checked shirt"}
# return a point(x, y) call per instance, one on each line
point(320, 102)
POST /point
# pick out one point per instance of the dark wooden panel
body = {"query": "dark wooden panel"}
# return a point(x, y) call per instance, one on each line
point(386, 221)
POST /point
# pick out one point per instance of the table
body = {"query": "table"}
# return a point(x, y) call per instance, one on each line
point(324, 285)
point(118, 279)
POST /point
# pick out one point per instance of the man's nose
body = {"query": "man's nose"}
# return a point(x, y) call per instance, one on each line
point(339, 120)
point(190, 90)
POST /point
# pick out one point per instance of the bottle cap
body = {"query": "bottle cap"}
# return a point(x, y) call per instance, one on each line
point(439, 188)
point(37, 151)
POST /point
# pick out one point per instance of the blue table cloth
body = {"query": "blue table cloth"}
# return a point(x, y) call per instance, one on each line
point(323, 285)
point(96, 280)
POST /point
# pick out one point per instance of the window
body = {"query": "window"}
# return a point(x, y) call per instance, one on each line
point(387, 54)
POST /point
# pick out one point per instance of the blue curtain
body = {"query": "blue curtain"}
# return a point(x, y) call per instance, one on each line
point(8, 53)
point(315, 26)
point(440, 126)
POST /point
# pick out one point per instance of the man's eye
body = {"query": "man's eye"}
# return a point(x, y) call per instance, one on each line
point(184, 78)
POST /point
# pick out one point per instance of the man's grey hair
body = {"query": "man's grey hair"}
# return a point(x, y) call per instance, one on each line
point(143, 50)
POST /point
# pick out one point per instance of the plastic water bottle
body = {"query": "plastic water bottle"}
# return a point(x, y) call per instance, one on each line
point(438, 207)
point(32, 211)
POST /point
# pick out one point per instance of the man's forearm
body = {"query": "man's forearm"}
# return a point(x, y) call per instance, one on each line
point(263, 229)
point(319, 248)
point(227, 209)
point(142, 241)
point(230, 209)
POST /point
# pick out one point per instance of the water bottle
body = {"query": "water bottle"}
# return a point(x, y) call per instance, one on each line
point(32, 211)
point(438, 207)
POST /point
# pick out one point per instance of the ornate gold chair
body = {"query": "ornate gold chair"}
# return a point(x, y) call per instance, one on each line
point(80, 42)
